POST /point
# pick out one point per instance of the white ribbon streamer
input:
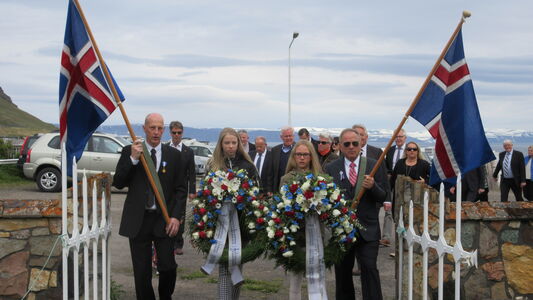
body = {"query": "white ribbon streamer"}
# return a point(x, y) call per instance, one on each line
point(314, 255)
point(227, 227)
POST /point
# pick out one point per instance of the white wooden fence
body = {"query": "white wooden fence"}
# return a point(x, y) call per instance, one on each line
point(91, 234)
point(440, 245)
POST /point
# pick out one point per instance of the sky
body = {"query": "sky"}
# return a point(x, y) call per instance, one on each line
point(225, 63)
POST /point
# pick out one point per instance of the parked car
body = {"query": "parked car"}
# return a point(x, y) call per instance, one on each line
point(43, 160)
point(26, 145)
point(202, 153)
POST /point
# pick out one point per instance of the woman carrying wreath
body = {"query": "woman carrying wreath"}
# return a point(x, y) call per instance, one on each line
point(229, 154)
point(303, 160)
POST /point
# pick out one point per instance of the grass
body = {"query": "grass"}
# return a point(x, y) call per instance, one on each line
point(267, 287)
point(10, 175)
point(116, 290)
point(193, 275)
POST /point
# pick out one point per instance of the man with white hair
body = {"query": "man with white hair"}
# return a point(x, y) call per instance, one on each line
point(366, 149)
point(280, 156)
point(513, 169)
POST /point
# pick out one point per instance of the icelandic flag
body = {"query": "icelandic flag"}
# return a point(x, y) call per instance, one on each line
point(85, 98)
point(448, 109)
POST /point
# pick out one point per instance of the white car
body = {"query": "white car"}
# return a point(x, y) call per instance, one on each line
point(43, 161)
point(202, 153)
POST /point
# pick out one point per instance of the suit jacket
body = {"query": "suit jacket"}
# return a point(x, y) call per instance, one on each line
point(389, 158)
point(373, 152)
point(276, 154)
point(189, 168)
point(266, 171)
point(518, 167)
point(475, 179)
point(134, 177)
point(367, 210)
point(251, 147)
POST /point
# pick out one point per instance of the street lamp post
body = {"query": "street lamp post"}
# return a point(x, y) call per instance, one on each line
point(294, 36)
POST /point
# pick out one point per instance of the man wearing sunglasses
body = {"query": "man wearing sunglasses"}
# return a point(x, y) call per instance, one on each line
point(189, 173)
point(350, 173)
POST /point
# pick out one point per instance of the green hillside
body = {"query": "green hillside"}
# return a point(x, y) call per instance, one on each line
point(15, 122)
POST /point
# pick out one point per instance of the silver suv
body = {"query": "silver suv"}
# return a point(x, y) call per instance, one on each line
point(43, 161)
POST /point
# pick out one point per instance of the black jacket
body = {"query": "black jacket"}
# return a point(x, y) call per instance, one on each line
point(266, 171)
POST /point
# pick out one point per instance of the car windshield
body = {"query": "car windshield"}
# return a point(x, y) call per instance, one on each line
point(201, 151)
point(122, 140)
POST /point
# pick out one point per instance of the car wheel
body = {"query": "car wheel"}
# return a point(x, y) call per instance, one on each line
point(49, 180)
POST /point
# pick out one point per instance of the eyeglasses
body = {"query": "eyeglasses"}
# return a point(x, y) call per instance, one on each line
point(323, 142)
point(177, 132)
point(335, 143)
point(301, 154)
point(400, 136)
point(411, 149)
point(354, 143)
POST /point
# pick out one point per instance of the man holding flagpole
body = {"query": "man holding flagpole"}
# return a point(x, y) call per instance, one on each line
point(142, 221)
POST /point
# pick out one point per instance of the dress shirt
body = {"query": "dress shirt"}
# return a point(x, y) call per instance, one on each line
point(262, 161)
point(286, 149)
point(347, 163)
point(363, 150)
point(178, 146)
point(157, 155)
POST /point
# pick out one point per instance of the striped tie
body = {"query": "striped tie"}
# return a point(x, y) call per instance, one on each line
point(353, 174)
point(507, 166)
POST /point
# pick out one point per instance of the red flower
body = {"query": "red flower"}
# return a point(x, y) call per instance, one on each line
point(344, 210)
point(293, 188)
point(207, 192)
point(245, 185)
point(353, 216)
point(338, 198)
point(224, 187)
point(260, 221)
point(276, 220)
point(202, 234)
point(210, 180)
point(201, 225)
point(309, 194)
point(231, 175)
point(202, 211)
point(261, 207)
point(324, 216)
point(213, 202)
point(289, 213)
point(240, 199)
point(279, 233)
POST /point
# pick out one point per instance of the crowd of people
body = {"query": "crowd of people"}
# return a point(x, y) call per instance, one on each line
point(348, 159)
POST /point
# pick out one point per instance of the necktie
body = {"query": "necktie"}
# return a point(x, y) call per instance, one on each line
point(258, 164)
point(398, 153)
point(151, 197)
point(506, 165)
point(353, 174)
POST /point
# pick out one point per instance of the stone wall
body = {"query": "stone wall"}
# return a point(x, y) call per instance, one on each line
point(501, 232)
point(28, 231)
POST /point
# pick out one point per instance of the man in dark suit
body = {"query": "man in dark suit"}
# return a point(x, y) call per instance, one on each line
point(262, 159)
point(303, 134)
point(513, 169)
point(473, 183)
point(366, 149)
point(243, 134)
point(189, 174)
point(142, 221)
point(345, 172)
point(280, 156)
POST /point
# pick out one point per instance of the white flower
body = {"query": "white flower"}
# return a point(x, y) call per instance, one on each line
point(294, 228)
point(285, 230)
point(336, 212)
point(252, 231)
point(209, 233)
point(300, 198)
point(306, 186)
point(288, 253)
point(274, 215)
point(292, 243)
point(320, 178)
point(339, 230)
point(335, 195)
point(255, 190)
point(271, 223)
point(218, 206)
point(195, 235)
point(201, 205)
point(204, 218)
point(265, 209)
point(251, 225)
point(281, 205)
point(257, 213)
point(287, 202)
point(255, 203)
point(195, 202)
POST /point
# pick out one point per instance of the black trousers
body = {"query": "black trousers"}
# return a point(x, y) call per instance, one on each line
point(141, 256)
point(366, 254)
point(507, 184)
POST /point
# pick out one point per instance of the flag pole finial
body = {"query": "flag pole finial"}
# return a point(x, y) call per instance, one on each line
point(466, 14)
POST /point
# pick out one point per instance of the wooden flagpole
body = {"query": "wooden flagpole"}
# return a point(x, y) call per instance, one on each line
point(466, 14)
point(117, 99)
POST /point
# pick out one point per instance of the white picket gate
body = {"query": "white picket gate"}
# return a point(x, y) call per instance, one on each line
point(440, 245)
point(98, 229)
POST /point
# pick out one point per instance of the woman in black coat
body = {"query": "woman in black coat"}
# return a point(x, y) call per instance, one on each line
point(412, 165)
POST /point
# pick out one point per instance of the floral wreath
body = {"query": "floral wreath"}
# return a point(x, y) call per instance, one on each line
point(305, 194)
point(237, 187)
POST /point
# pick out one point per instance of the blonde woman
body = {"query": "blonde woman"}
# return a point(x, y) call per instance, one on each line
point(302, 160)
point(229, 154)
